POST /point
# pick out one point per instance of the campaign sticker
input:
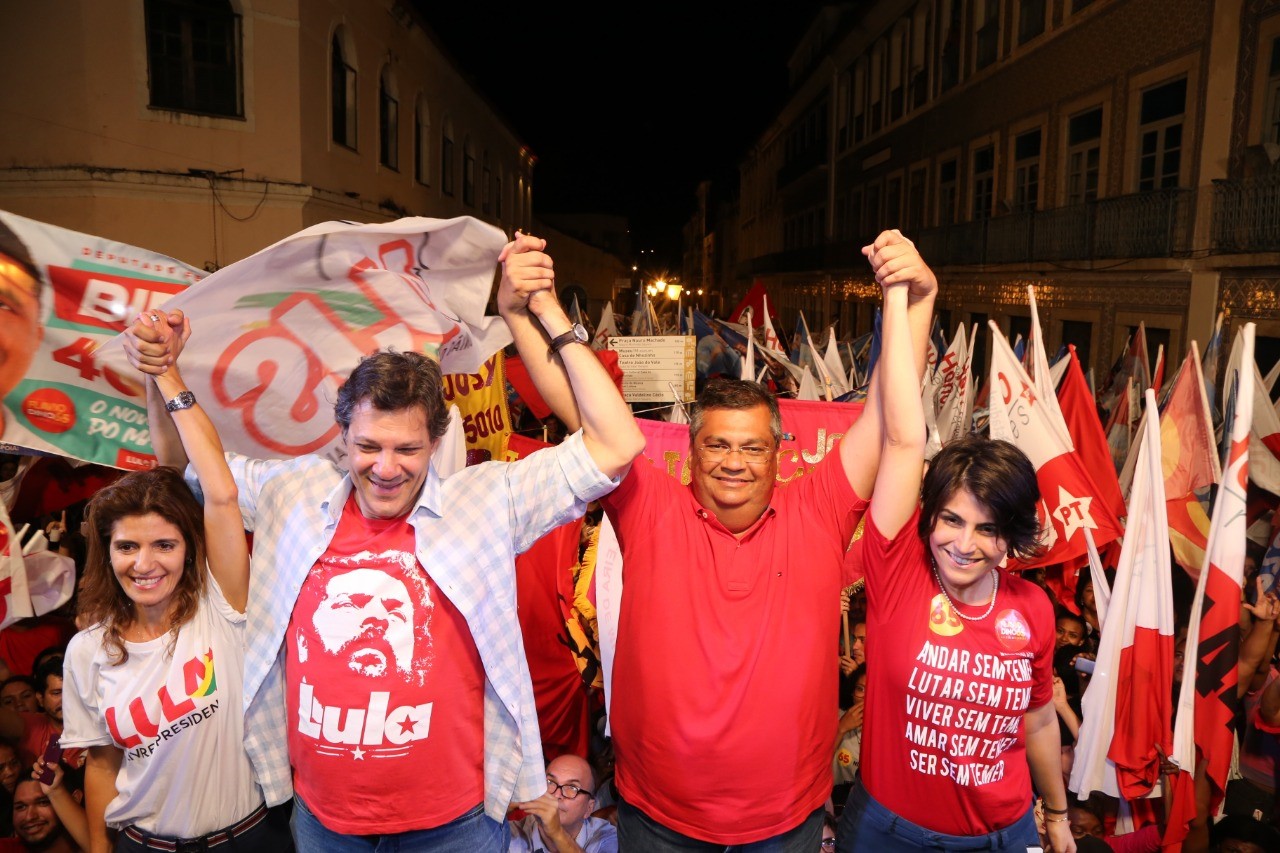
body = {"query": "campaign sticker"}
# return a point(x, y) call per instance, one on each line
point(942, 619)
point(1012, 630)
point(49, 410)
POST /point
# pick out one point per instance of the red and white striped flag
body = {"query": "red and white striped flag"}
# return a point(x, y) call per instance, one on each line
point(1205, 725)
point(1128, 705)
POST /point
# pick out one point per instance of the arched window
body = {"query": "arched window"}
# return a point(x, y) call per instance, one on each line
point(446, 157)
point(468, 173)
point(342, 74)
point(193, 57)
point(422, 142)
point(388, 121)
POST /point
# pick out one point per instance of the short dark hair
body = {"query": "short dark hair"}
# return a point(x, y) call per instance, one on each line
point(1067, 614)
point(51, 667)
point(999, 476)
point(739, 394)
point(18, 679)
point(393, 381)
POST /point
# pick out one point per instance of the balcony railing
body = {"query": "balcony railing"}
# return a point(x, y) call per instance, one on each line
point(1246, 215)
point(1143, 225)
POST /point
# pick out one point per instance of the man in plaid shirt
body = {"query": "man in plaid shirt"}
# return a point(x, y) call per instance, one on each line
point(386, 685)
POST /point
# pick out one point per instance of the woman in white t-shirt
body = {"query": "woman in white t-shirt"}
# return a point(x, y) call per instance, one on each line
point(153, 688)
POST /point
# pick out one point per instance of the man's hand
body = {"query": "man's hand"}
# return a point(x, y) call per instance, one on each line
point(847, 665)
point(155, 340)
point(547, 810)
point(895, 261)
point(1267, 607)
point(528, 278)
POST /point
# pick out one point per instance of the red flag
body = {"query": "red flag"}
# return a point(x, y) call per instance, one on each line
point(1191, 464)
point(755, 300)
point(1069, 500)
point(1081, 415)
point(518, 376)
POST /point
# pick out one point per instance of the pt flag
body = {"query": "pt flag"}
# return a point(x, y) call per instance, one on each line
point(1069, 500)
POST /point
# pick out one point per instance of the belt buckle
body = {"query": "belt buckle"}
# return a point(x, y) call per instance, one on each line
point(192, 845)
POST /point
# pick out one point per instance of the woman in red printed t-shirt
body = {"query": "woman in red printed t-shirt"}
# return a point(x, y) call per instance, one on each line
point(958, 719)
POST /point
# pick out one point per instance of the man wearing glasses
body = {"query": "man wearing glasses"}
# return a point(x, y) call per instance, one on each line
point(724, 689)
point(560, 820)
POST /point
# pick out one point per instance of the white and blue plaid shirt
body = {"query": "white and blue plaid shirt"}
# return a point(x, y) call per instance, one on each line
point(469, 529)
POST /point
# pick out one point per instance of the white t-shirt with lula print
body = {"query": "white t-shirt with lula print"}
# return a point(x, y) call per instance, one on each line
point(179, 718)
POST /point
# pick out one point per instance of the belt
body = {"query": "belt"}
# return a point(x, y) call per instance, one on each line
point(196, 845)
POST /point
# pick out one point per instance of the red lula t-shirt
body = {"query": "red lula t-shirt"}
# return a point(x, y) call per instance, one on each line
point(385, 687)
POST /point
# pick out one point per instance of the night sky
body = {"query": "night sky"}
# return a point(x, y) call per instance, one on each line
point(628, 107)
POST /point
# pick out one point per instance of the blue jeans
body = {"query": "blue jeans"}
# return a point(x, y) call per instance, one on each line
point(865, 825)
point(638, 831)
point(475, 830)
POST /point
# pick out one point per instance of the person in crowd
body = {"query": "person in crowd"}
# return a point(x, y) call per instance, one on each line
point(828, 843)
point(36, 823)
point(34, 731)
point(560, 821)
point(844, 765)
point(154, 687)
point(1071, 631)
point(385, 594)
point(959, 720)
point(10, 767)
point(65, 792)
point(25, 643)
point(1243, 834)
point(1087, 604)
point(19, 693)
point(728, 585)
point(1254, 794)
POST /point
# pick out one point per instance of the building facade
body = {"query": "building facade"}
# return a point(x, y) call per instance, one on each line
point(1117, 154)
point(208, 130)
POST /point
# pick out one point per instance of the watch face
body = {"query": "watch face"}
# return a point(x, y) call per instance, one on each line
point(580, 333)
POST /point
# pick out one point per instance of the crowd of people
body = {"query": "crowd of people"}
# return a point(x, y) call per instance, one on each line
point(355, 678)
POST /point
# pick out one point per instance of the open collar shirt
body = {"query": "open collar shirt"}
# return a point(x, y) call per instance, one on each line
point(468, 530)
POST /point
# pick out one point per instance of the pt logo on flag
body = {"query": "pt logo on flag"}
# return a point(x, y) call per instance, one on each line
point(1073, 512)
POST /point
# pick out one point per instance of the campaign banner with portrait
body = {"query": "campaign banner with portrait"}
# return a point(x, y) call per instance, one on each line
point(275, 335)
point(65, 294)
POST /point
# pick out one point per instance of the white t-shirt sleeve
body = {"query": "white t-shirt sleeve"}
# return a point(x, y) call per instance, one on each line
point(82, 724)
point(218, 601)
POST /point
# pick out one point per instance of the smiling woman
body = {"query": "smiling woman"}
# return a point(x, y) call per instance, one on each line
point(164, 594)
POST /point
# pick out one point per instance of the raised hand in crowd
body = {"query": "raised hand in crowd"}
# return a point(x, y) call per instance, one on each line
point(68, 805)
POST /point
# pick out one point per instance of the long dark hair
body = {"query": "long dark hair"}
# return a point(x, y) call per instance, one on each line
point(102, 599)
point(999, 476)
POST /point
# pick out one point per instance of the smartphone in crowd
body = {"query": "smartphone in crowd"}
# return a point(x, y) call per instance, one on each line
point(52, 755)
point(1084, 664)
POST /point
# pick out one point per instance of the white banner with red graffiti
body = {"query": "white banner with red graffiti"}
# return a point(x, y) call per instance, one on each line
point(58, 395)
point(275, 335)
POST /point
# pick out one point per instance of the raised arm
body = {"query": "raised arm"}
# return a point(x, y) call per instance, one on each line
point(573, 382)
point(225, 545)
point(900, 271)
point(893, 257)
point(151, 347)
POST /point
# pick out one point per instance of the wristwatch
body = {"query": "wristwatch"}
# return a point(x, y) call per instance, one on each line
point(184, 400)
point(576, 335)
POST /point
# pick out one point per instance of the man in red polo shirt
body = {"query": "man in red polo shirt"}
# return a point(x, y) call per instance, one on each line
point(724, 705)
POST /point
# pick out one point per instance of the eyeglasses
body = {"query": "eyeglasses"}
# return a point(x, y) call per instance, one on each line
point(569, 792)
point(828, 844)
point(752, 454)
